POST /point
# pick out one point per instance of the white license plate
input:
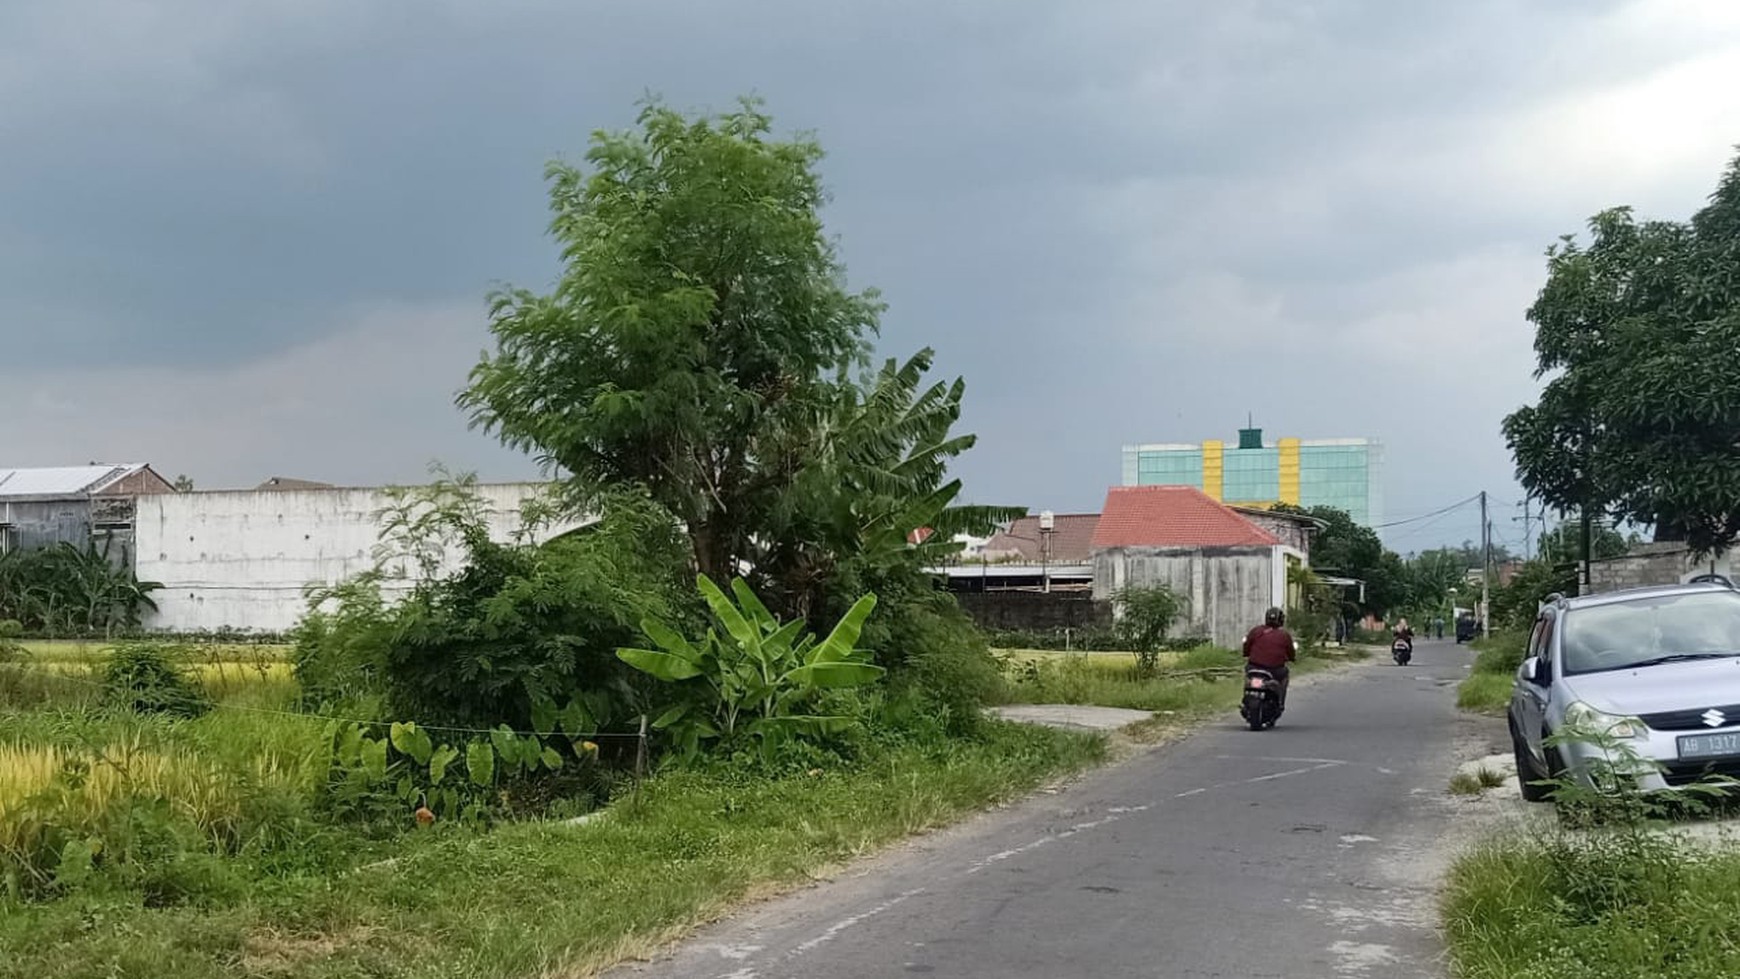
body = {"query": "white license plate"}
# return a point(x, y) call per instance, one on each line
point(1709, 745)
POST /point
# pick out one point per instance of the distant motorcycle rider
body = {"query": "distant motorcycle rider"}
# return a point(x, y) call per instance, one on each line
point(1271, 647)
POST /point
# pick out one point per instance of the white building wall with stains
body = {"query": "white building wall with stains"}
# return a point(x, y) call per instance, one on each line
point(1226, 590)
point(245, 559)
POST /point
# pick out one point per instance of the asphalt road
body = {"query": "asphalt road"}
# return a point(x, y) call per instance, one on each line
point(1309, 850)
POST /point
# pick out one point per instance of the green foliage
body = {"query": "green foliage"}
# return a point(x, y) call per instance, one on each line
point(518, 625)
point(701, 347)
point(1615, 897)
point(384, 781)
point(74, 591)
point(522, 624)
point(1515, 604)
point(342, 646)
point(1313, 608)
point(872, 503)
point(1488, 688)
point(752, 678)
point(1564, 543)
point(1145, 615)
point(1354, 551)
point(1485, 693)
point(144, 677)
point(531, 897)
point(700, 318)
point(1637, 329)
point(1502, 652)
point(11, 650)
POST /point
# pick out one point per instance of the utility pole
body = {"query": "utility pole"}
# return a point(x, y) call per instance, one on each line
point(1527, 550)
point(1588, 548)
point(1485, 569)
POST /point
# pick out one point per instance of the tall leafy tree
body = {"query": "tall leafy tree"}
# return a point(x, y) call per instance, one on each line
point(1349, 548)
point(1637, 331)
point(701, 315)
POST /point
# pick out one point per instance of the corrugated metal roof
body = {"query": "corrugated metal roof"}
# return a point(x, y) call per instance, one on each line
point(62, 480)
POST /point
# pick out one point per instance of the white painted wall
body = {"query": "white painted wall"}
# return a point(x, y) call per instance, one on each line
point(243, 560)
point(1226, 589)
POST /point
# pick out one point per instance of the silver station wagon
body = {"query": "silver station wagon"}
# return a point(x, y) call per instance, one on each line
point(1657, 669)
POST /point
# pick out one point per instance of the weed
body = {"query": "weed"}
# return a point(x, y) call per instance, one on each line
point(1605, 895)
point(1463, 783)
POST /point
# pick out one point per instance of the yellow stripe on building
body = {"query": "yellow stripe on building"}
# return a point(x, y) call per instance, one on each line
point(1213, 468)
point(1289, 471)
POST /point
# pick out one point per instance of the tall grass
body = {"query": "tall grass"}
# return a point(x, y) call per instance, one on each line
point(1487, 689)
point(71, 776)
point(1613, 907)
point(537, 899)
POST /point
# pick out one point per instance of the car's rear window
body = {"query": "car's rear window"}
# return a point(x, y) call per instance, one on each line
point(1624, 634)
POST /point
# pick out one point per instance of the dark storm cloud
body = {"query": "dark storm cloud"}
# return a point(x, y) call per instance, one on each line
point(1122, 220)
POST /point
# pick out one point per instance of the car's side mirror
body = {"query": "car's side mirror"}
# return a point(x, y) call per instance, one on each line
point(1534, 670)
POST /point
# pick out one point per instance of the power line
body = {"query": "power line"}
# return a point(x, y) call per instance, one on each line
point(1427, 516)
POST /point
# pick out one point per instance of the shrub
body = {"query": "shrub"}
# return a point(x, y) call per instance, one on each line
point(1501, 653)
point(754, 681)
point(143, 677)
point(342, 646)
point(522, 623)
point(1145, 616)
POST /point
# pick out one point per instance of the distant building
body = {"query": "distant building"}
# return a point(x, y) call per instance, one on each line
point(1070, 541)
point(1341, 473)
point(1227, 569)
point(74, 505)
point(288, 483)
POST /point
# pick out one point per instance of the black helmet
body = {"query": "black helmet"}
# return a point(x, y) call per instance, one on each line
point(1274, 618)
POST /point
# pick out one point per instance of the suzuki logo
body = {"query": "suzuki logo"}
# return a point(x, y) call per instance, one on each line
point(1714, 717)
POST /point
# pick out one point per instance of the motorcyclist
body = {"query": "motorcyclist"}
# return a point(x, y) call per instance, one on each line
point(1405, 632)
point(1271, 647)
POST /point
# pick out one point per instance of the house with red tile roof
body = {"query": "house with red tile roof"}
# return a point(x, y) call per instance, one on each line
point(1226, 566)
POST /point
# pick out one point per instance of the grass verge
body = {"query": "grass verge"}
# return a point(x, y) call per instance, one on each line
point(1612, 906)
point(1487, 689)
point(541, 899)
point(1202, 682)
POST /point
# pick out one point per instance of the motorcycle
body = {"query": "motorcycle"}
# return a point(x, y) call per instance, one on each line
point(1261, 704)
point(1401, 651)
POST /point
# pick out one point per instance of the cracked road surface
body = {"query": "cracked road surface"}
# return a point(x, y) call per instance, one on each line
point(1309, 850)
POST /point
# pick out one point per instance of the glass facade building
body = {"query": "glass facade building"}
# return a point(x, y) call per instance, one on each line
point(1341, 473)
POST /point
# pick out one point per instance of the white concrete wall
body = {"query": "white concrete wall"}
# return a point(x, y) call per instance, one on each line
point(1227, 589)
point(243, 560)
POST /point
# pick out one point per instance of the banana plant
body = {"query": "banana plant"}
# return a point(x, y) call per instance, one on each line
point(752, 675)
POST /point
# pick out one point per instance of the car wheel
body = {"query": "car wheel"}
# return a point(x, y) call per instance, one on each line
point(1527, 774)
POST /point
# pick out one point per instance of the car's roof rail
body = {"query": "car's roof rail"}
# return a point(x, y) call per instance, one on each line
point(1553, 599)
point(1711, 578)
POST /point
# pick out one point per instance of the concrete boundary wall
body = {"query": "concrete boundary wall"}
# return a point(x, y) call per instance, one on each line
point(244, 559)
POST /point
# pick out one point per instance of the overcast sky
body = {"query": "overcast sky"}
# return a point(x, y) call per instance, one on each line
point(240, 240)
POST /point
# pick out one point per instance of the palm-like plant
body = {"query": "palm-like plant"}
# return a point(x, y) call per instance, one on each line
point(70, 589)
point(873, 486)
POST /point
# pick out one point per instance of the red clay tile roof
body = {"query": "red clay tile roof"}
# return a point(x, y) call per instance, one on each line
point(1071, 540)
point(1173, 516)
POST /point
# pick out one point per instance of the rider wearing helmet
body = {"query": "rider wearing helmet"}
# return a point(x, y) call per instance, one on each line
point(1271, 647)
